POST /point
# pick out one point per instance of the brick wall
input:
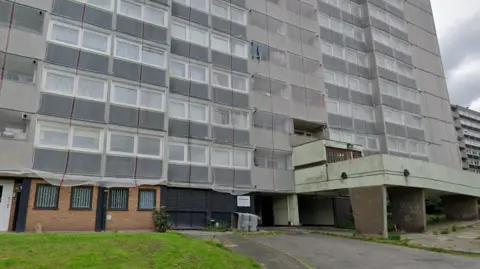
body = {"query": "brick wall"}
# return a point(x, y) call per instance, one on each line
point(369, 209)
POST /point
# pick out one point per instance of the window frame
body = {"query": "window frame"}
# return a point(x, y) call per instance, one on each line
point(188, 28)
point(142, 47)
point(142, 12)
point(186, 105)
point(186, 153)
point(187, 70)
point(231, 158)
point(138, 104)
point(36, 197)
point(188, 3)
point(140, 190)
point(112, 3)
point(71, 197)
point(230, 112)
point(110, 199)
point(230, 81)
point(229, 8)
point(135, 145)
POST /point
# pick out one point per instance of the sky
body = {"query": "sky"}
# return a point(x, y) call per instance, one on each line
point(458, 30)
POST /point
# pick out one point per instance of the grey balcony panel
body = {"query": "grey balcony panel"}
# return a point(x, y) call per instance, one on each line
point(129, 26)
point(379, 3)
point(179, 47)
point(334, 120)
point(371, 128)
point(181, 11)
point(327, 34)
point(356, 97)
point(221, 25)
point(179, 173)
point(360, 22)
point(27, 18)
point(353, 44)
point(199, 131)
point(364, 72)
point(61, 55)
point(392, 101)
point(220, 96)
point(222, 60)
point(384, 49)
point(411, 107)
point(222, 176)
point(335, 12)
point(421, 158)
point(69, 9)
point(162, 2)
point(360, 126)
point(416, 133)
point(153, 76)
point(240, 65)
point(406, 81)
point(149, 168)
point(151, 120)
point(399, 154)
point(347, 17)
point(155, 33)
point(98, 17)
point(199, 90)
point(347, 123)
point(181, 128)
point(400, 130)
point(56, 161)
point(199, 53)
point(123, 116)
point(338, 38)
point(242, 137)
point(400, 34)
point(199, 17)
point(222, 135)
point(199, 174)
point(367, 99)
point(5, 11)
point(89, 111)
point(93, 62)
point(54, 105)
point(240, 100)
point(328, 61)
point(117, 166)
point(390, 128)
point(124, 69)
point(403, 57)
point(238, 30)
point(84, 164)
point(344, 93)
point(361, 45)
point(323, 7)
point(61, 106)
point(332, 90)
point(179, 86)
point(353, 69)
point(242, 178)
point(341, 65)
point(387, 74)
point(379, 24)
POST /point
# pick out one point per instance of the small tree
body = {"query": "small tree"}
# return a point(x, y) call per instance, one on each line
point(160, 220)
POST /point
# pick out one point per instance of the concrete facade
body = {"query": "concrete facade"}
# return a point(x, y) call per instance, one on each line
point(460, 207)
point(408, 209)
point(369, 205)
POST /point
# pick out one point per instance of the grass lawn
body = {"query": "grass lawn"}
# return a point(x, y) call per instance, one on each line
point(115, 250)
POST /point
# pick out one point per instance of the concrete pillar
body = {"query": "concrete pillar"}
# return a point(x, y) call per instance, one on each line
point(460, 207)
point(369, 205)
point(285, 210)
point(408, 209)
point(293, 215)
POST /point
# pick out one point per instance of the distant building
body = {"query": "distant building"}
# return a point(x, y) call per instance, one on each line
point(467, 125)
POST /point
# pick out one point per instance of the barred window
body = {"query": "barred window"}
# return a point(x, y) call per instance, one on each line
point(118, 199)
point(81, 198)
point(46, 196)
point(146, 199)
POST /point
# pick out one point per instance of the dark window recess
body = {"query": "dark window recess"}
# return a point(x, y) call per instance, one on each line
point(18, 68)
point(146, 199)
point(260, 51)
point(118, 199)
point(81, 198)
point(339, 155)
point(46, 196)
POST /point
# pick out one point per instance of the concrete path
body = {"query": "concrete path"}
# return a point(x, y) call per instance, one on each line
point(327, 252)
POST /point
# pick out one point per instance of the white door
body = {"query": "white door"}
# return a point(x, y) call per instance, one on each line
point(6, 192)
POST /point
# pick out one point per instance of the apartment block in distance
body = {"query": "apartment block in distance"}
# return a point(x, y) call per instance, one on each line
point(467, 125)
point(110, 108)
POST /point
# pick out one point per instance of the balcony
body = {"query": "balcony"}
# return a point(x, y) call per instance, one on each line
point(464, 155)
point(323, 151)
point(457, 124)
point(455, 114)
point(461, 144)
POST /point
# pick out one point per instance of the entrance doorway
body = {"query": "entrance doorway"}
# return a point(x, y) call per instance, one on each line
point(264, 209)
point(6, 193)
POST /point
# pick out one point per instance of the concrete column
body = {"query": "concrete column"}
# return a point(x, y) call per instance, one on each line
point(408, 208)
point(369, 205)
point(460, 207)
point(293, 215)
point(285, 210)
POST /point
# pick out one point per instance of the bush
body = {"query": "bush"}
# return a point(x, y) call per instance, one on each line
point(395, 237)
point(454, 228)
point(445, 231)
point(160, 220)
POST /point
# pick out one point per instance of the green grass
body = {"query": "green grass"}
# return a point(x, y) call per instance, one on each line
point(115, 250)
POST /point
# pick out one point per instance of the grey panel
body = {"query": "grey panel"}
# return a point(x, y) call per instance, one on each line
point(124, 69)
point(334, 120)
point(360, 126)
point(411, 107)
point(117, 166)
point(180, 10)
point(240, 3)
point(199, 17)
point(199, 53)
point(367, 99)
point(61, 106)
point(154, 33)
point(151, 120)
point(370, 126)
point(328, 61)
point(353, 69)
point(238, 30)
point(347, 17)
point(129, 26)
point(220, 96)
point(379, 24)
point(222, 176)
point(89, 110)
point(123, 116)
point(379, 3)
point(222, 135)
point(56, 162)
point(98, 17)
point(84, 164)
point(327, 34)
point(390, 128)
point(178, 173)
point(181, 128)
point(163, 2)
point(359, 21)
point(399, 34)
point(364, 72)
point(240, 100)
point(68, 9)
point(199, 90)
point(384, 49)
point(240, 65)
point(341, 65)
point(153, 76)
point(221, 25)
point(406, 81)
point(180, 86)
point(241, 137)
point(392, 101)
point(222, 60)
point(323, 7)
point(93, 62)
point(335, 12)
point(356, 97)
point(347, 123)
point(403, 57)
point(344, 93)
point(337, 38)
point(27, 18)
point(400, 130)
point(199, 174)
point(199, 130)
point(149, 168)
point(61, 55)
point(392, 9)
point(387, 74)
point(242, 178)
point(55, 105)
point(415, 133)
point(180, 47)
point(332, 90)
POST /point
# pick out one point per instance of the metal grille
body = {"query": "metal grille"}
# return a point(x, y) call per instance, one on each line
point(46, 196)
point(334, 156)
point(146, 199)
point(118, 199)
point(81, 198)
point(356, 154)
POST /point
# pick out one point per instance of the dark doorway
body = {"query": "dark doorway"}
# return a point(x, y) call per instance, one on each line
point(101, 214)
point(18, 195)
point(264, 209)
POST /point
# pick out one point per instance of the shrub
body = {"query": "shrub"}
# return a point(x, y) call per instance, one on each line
point(445, 231)
point(395, 237)
point(160, 220)
point(454, 228)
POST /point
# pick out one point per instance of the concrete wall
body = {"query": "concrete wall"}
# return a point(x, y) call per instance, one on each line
point(369, 205)
point(408, 209)
point(285, 210)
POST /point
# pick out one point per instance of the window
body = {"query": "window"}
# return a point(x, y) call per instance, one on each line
point(183, 153)
point(139, 98)
point(63, 136)
point(273, 160)
point(332, 107)
point(403, 69)
point(194, 112)
point(190, 71)
point(229, 81)
point(413, 121)
point(118, 199)
point(46, 196)
point(142, 12)
point(129, 144)
point(221, 157)
point(190, 33)
point(103, 4)
point(234, 158)
point(229, 118)
point(224, 44)
point(85, 39)
point(81, 198)
point(335, 135)
point(69, 84)
point(146, 199)
point(239, 48)
point(229, 12)
point(136, 52)
point(397, 144)
point(220, 43)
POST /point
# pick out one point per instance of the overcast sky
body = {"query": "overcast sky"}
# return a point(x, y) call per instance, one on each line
point(458, 30)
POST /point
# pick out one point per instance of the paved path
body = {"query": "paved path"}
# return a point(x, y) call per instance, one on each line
point(327, 252)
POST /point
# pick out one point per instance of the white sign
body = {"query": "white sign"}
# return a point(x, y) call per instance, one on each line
point(109, 217)
point(243, 201)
